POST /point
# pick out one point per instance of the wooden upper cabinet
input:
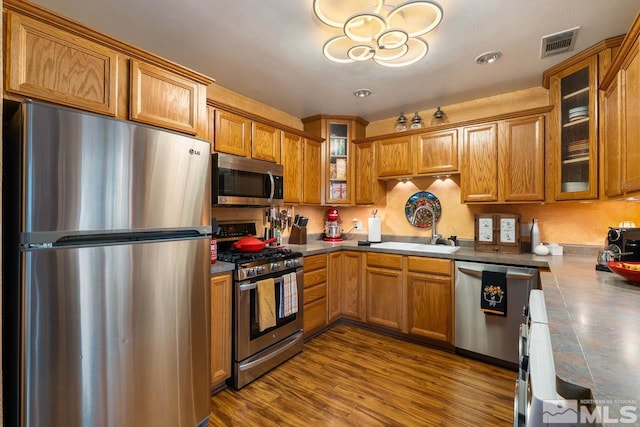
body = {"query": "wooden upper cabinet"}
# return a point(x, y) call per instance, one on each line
point(232, 134)
point(311, 172)
point(162, 98)
point(479, 172)
point(50, 64)
point(611, 141)
point(368, 189)
point(394, 157)
point(630, 148)
point(337, 161)
point(436, 152)
point(521, 159)
point(575, 120)
point(265, 142)
point(292, 162)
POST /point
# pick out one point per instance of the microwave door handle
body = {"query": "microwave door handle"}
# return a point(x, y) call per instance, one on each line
point(273, 186)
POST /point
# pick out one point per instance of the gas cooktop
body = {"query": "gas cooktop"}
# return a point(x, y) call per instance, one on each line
point(266, 255)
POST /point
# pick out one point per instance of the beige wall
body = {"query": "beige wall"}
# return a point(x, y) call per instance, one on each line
point(564, 223)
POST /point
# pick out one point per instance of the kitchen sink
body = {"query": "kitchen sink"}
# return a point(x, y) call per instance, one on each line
point(421, 247)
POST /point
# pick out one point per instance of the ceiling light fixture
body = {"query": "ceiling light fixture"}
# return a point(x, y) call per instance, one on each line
point(488, 57)
point(362, 93)
point(386, 31)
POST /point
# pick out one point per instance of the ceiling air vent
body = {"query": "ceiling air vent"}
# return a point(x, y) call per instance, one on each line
point(561, 42)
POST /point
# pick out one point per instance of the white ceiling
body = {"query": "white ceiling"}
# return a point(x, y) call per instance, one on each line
point(271, 51)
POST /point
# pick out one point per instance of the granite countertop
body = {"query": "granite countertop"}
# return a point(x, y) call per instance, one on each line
point(594, 318)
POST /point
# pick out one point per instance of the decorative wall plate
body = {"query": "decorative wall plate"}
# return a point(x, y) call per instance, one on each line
point(423, 218)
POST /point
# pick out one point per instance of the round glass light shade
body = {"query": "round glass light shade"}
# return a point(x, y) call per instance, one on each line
point(392, 39)
point(364, 27)
point(336, 12)
point(337, 48)
point(417, 49)
point(416, 18)
point(361, 52)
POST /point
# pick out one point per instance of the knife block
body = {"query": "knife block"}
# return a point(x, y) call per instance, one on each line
point(298, 235)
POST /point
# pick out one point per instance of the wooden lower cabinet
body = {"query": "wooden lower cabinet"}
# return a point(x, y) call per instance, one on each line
point(221, 288)
point(430, 298)
point(385, 290)
point(315, 293)
point(346, 293)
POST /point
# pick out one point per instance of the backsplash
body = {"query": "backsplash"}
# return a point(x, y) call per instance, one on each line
point(571, 223)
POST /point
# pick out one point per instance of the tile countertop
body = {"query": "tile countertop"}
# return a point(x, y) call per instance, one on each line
point(594, 318)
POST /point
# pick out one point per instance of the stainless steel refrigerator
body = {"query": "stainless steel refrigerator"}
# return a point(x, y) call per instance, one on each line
point(106, 235)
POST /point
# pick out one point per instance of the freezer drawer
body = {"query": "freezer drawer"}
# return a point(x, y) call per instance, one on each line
point(492, 336)
point(116, 335)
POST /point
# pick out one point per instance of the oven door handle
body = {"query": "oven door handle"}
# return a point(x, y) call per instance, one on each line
point(273, 186)
point(254, 285)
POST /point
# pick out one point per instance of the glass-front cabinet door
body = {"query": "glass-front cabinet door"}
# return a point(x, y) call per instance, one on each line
point(339, 183)
point(574, 93)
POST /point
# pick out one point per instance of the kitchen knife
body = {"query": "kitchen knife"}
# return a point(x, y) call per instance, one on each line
point(296, 219)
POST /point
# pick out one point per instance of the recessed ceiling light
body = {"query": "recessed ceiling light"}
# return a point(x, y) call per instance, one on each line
point(488, 57)
point(362, 93)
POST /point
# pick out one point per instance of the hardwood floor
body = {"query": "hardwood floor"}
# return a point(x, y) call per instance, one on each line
point(349, 376)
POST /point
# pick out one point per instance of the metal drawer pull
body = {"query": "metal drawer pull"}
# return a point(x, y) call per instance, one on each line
point(470, 272)
point(291, 341)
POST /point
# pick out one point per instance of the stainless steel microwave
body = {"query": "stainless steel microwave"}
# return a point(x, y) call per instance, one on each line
point(238, 181)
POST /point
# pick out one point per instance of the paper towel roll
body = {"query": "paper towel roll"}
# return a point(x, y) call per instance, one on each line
point(375, 227)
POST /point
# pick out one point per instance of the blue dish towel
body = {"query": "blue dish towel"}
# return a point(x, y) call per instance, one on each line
point(493, 295)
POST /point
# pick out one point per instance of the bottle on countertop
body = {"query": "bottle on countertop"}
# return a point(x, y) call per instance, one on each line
point(214, 250)
point(535, 234)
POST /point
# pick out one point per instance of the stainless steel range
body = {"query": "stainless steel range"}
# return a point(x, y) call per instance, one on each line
point(259, 345)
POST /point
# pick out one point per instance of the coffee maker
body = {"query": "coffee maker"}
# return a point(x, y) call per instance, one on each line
point(333, 231)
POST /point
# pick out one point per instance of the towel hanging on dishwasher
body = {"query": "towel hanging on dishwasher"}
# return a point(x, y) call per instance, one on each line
point(493, 295)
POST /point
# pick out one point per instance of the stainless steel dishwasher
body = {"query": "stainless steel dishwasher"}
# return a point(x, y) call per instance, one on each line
point(489, 337)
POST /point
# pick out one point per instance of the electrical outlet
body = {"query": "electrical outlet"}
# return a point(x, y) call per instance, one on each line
point(357, 224)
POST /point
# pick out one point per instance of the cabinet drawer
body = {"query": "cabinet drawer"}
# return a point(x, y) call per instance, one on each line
point(315, 292)
point(312, 278)
point(430, 265)
point(314, 262)
point(384, 260)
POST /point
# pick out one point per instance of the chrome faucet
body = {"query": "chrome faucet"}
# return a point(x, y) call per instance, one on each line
point(434, 236)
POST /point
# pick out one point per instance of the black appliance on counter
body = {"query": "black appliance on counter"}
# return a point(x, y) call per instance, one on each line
point(627, 240)
point(256, 352)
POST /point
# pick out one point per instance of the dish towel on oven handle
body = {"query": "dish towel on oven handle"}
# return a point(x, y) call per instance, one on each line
point(266, 304)
point(493, 295)
point(288, 295)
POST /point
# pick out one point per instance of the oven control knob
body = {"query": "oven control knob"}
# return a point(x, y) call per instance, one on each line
point(260, 269)
point(251, 272)
point(275, 266)
point(296, 262)
point(288, 263)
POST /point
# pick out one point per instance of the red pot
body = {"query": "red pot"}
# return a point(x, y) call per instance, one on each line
point(251, 244)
